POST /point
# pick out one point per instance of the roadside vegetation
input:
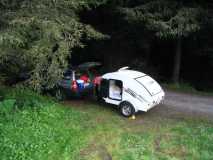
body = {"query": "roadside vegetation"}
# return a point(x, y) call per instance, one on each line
point(36, 127)
point(187, 88)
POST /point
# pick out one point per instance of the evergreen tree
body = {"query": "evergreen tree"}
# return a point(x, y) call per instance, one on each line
point(37, 37)
point(168, 20)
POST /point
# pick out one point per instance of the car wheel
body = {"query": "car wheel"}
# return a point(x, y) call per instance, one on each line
point(127, 109)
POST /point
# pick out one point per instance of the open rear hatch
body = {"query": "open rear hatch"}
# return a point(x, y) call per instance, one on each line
point(88, 65)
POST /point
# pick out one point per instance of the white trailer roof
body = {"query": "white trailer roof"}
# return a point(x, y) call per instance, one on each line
point(127, 73)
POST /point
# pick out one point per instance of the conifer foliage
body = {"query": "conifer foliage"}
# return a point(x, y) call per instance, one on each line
point(37, 38)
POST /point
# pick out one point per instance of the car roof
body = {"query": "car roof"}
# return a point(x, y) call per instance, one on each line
point(85, 66)
point(88, 65)
point(125, 73)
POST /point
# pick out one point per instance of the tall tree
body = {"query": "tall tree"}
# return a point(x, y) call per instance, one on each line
point(168, 20)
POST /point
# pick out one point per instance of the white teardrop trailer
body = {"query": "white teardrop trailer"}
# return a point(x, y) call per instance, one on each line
point(131, 90)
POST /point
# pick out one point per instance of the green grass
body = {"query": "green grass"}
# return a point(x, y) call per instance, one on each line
point(38, 128)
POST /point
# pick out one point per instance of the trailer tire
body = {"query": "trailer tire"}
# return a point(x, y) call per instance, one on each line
point(127, 109)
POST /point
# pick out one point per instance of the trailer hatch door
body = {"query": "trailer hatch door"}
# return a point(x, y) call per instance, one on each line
point(150, 84)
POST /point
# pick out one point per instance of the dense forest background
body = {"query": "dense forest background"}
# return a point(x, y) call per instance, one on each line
point(169, 39)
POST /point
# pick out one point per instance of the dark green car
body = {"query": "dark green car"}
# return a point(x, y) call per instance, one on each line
point(78, 81)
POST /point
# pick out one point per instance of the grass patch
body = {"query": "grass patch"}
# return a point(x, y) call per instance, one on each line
point(39, 129)
point(187, 88)
point(45, 130)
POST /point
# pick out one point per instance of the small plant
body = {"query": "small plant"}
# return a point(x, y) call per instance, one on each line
point(6, 107)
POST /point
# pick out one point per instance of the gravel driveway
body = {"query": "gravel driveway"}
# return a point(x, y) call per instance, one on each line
point(176, 106)
point(188, 104)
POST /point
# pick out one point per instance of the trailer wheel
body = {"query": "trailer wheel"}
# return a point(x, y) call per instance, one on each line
point(127, 109)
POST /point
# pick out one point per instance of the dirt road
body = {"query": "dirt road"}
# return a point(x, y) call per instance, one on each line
point(188, 104)
point(176, 106)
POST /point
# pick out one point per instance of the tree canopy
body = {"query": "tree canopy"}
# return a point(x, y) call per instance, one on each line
point(168, 20)
point(37, 37)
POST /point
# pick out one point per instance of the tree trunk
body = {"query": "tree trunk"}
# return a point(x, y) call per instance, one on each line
point(177, 62)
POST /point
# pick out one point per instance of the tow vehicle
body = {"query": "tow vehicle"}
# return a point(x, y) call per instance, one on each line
point(77, 81)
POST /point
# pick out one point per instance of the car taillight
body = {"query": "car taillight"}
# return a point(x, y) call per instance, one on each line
point(97, 81)
point(74, 86)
